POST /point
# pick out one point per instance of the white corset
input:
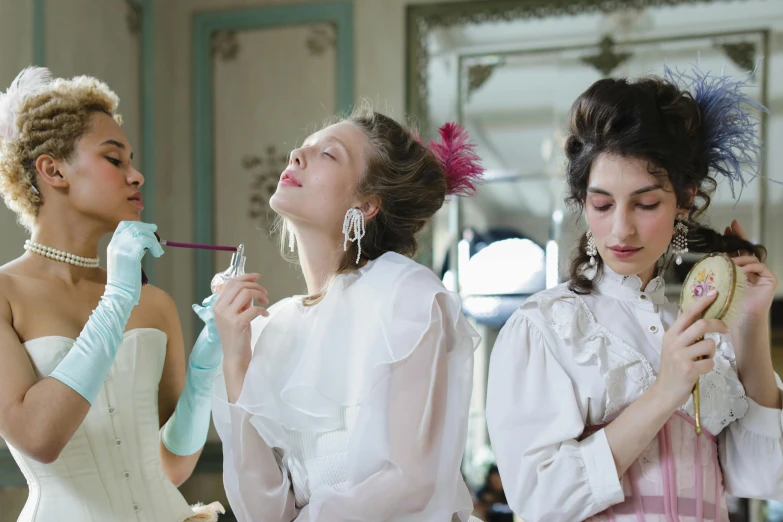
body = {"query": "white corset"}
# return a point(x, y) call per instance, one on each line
point(110, 470)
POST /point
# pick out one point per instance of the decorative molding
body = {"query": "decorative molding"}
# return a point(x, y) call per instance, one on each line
point(140, 11)
point(204, 25)
point(225, 45)
point(479, 73)
point(134, 16)
point(606, 59)
point(421, 19)
point(321, 38)
point(743, 54)
point(265, 172)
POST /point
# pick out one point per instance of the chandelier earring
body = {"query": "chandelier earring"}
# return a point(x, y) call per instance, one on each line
point(291, 237)
point(591, 250)
point(680, 239)
point(354, 224)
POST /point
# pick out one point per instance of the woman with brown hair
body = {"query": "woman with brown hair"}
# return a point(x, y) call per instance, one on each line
point(351, 403)
point(589, 402)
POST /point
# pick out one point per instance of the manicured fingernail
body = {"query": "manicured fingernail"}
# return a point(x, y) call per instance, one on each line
point(712, 292)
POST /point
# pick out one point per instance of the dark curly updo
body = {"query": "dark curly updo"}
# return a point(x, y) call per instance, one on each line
point(650, 119)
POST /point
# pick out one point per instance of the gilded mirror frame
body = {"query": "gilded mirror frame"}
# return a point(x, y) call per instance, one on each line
point(421, 19)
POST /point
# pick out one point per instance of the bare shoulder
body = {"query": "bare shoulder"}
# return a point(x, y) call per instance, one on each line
point(10, 273)
point(12, 269)
point(7, 285)
point(155, 310)
point(14, 275)
point(157, 300)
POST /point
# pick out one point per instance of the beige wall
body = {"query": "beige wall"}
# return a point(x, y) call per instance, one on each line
point(16, 51)
point(90, 45)
point(79, 43)
point(379, 73)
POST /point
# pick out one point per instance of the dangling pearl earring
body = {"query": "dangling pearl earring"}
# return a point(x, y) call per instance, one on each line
point(354, 221)
point(591, 250)
point(680, 239)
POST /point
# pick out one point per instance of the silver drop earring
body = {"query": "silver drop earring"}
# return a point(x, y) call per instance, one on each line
point(291, 237)
point(680, 239)
point(591, 250)
point(354, 222)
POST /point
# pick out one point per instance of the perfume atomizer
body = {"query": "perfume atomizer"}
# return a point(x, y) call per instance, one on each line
point(236, 269)
point(240, 261)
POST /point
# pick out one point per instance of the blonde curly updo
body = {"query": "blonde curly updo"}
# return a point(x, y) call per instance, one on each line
point(44, 116)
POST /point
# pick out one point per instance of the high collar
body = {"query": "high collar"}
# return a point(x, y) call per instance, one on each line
point(629, 288)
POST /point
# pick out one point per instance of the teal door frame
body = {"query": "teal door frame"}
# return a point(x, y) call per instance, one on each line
point(205, 24)
point(10, 476)
point(146, 99)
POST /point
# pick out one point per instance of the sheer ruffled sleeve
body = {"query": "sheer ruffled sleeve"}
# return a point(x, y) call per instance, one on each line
point(257, 485)
point(535, 424)
point(751, 452)
point(411, 430)
point(390, 344)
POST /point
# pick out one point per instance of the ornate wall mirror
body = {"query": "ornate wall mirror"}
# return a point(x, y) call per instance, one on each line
point(509, 72)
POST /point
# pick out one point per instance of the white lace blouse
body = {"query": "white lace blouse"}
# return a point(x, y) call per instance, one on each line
point(563, 362)
point(355, 408)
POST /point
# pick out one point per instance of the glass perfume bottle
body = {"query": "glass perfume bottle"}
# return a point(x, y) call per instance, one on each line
point(236, 269)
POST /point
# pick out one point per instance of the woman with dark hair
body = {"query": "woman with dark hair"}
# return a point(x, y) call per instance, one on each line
point(492, 499)
point(351, 403)
point(589, 402)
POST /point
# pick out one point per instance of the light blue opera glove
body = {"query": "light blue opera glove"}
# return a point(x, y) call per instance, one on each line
point(88, 362)
point(186, 431)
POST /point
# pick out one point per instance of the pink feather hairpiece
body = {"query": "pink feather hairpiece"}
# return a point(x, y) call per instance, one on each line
point(458, 156)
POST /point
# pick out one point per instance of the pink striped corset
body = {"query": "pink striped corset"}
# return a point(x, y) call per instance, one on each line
point(677, 478)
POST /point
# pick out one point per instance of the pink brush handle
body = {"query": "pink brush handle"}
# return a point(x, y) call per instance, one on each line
point(198, 246)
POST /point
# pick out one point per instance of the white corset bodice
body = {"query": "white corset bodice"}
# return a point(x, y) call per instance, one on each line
point(110, 470)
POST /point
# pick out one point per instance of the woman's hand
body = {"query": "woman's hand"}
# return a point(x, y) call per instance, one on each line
point(761, 282)
point(685, 354)
point(234, 310)
point(750, 334)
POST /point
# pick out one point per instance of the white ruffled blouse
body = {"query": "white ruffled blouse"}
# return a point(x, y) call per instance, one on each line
point(354, 409)
point(565, 361)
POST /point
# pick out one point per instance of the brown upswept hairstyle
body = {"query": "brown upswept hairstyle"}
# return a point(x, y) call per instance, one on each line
point(411, 184)
point(50, 120)
point(650, 119)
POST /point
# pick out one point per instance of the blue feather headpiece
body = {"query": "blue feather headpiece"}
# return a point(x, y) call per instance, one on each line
point(730, 131)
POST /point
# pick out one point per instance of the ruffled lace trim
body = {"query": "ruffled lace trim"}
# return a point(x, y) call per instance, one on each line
point(626, 373)
point(722, 395)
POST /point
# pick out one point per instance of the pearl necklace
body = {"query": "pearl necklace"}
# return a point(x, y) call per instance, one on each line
point(59, 255)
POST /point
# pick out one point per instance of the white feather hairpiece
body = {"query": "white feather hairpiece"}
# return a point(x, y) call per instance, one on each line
point(26, 83)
